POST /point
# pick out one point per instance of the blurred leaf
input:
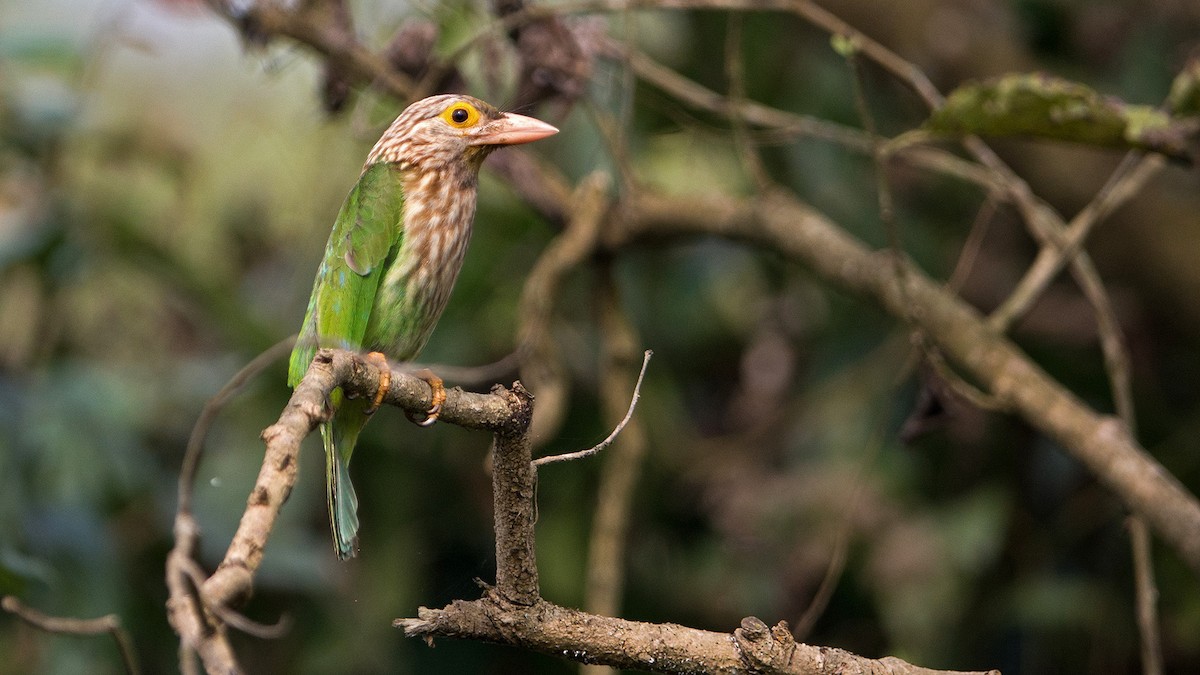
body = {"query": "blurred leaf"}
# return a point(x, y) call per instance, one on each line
point(1057, 602)
point(18, 571)
point(1050, 107)
point(1184, 98)
point(845, 45)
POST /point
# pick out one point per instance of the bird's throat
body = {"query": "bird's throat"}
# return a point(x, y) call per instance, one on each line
point(439, 207)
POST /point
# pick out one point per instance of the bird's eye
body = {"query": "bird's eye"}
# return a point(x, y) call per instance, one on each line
point(461, 115)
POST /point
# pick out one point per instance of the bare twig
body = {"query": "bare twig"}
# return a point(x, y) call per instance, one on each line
point(698, 96)
point(232, 617)
point(735, 73)
point(974, 241)
point(109, 623)
point(842, 540)
point(663, 648)
point(1122, 185)
point(184, 607)
point(474, 376)
point(883, 187)
point(259, 21)
point(779, 125)
point(213, 407)
point(887, 216)
point(605, 581)
point(1146, 592)
point(581, 454)
point(613, 133)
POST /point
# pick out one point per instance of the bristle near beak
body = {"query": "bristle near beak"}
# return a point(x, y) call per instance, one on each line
point(513, 129)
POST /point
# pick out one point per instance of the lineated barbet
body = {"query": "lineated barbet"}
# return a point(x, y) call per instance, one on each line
point(393, 256)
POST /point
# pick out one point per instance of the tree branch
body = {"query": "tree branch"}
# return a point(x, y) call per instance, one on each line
point(310, 25)
point(109, 623)
point(663, 648)
point(608, 440)
point(513, 612)
point(199, 609)
point(1100, 442)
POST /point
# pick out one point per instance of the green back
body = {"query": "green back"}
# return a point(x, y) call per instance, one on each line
point(366, 234)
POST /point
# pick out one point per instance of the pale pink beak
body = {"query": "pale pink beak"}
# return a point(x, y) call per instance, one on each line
point(513, 129)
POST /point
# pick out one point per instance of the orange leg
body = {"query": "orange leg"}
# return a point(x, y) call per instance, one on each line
point(437, 391)
point(378, 360)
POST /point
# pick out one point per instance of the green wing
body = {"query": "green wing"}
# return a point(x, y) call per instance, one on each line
point(366, 233)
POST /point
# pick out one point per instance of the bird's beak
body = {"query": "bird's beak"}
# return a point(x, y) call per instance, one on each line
point(512, 129)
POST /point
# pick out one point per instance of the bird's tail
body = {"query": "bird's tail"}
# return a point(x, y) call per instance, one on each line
point(339, 435)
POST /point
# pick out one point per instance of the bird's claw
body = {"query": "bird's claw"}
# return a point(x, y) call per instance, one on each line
point(378, 360)
point(437, 395)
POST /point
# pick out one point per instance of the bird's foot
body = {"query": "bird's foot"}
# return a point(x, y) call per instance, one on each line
point(378, 360)
point(437, 395)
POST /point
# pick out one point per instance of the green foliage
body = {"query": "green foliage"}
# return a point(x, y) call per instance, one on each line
point(1049, 107)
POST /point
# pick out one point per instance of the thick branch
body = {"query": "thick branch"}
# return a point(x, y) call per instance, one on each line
point(513, 479)
point(1101, 442)
point(199, 608)
point(663, 648)
point(231, 583)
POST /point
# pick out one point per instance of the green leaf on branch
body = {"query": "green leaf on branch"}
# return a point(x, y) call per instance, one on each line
point(1048, 107)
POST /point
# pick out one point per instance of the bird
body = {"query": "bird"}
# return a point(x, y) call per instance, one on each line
point(393, 256)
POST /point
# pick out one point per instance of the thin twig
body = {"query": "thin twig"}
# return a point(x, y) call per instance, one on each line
point(973, 244)
point(843, 539)
point(735, 73)
point(703, 98)
point(109, 623)
point(1124, 183)
point(883, 187)
point(186, 612)
point(604, 583)
point(474, 376)
point(571, 456)
point(213, 407)
point(887, 215)
point(261, 20)
point(775, 126)
point(1146, 592)
point(612, 133)
point(232, 617)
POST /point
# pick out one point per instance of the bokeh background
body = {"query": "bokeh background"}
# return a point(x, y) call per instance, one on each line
point(165, 196)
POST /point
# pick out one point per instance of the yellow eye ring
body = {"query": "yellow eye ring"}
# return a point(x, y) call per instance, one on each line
point(461, 115)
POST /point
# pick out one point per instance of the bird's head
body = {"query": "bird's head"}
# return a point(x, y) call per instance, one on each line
point(453, 128)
